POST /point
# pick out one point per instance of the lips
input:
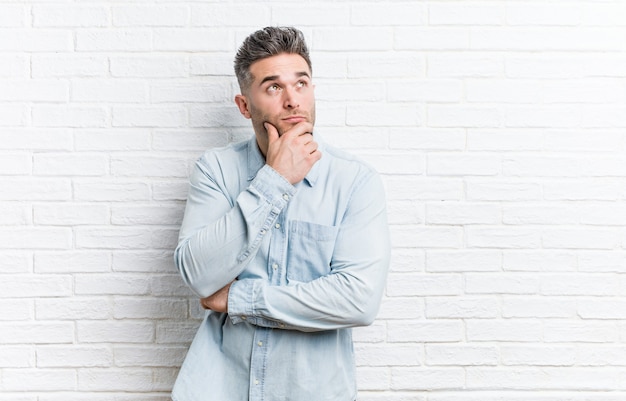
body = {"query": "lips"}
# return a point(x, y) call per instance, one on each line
point(294, 119)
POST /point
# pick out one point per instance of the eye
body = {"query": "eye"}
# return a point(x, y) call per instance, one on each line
point(273, 88)
point(301, 84)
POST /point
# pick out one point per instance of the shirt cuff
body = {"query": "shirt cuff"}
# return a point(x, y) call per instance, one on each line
point(241, 302)
point(273, 186)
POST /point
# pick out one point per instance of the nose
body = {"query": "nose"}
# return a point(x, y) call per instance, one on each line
point(291, 100)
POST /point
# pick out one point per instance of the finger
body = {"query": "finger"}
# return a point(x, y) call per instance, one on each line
point(272, 132)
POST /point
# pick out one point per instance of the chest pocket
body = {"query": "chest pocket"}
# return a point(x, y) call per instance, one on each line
point(309, 250)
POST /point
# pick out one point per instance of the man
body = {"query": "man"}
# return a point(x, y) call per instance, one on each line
point(286, 241)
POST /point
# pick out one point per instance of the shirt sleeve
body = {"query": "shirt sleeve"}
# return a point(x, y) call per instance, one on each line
point(218, 237)
point(348, 296)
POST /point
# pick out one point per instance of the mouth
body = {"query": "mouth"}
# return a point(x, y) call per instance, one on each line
point(294, 119)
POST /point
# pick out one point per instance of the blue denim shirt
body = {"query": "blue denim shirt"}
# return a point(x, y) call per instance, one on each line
point(310, 261)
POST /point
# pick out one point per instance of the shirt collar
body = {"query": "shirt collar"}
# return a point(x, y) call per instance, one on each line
point(256, 161)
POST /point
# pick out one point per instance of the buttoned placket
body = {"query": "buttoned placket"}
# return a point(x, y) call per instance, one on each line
point(262, 335)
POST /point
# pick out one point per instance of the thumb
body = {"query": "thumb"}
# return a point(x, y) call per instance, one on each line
point(272, 132)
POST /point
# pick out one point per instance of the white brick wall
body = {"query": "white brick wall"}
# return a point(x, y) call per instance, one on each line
point(499, 128)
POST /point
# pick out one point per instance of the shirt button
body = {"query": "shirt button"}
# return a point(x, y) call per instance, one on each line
point(243, 318)
point(285, 197)
point(262, 231)
point(275, 266)
point(277, 225)
point(256, 382)
point(260, 343)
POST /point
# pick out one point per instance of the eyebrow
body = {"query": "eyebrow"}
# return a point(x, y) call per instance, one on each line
point(275, 77)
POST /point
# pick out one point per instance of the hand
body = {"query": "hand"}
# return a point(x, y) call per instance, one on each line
point(293, 153)
point(217, 302)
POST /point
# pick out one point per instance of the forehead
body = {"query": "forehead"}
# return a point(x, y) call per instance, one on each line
point(282, 65)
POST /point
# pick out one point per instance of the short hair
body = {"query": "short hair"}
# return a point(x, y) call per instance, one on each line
point(264, 43)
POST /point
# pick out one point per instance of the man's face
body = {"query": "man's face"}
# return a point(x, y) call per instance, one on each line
point(281, 93)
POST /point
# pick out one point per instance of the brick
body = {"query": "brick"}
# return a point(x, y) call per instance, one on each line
point(388, 14)
point(385, 355)
point(72, 262)
point(404, 212)
point(69, 116)
point(539, 260)
point(464, 164)
point(73, 16)
point(14, 115)
point(542, 307)
point(112, 139)
point(70, 164)
point(503, 190)
point(543, 14)
point(209, 92)
point(17, 357)
point(149, 166)
point(497, 237)
point(432, 38)
point(460, 64)
point(374, 65)
point(563, 331)
point(376, 115)
point(37, 333)
point(149, 116)
point(439, 261)
point(188, 140)
point(149, 66)
point(64, 214)
point(79, 356)
point(35, 238)
point(490, 284)
point(427, 378)
point(38, 379)
point(148, 16)
point(397, 163)
point(12, 15)
point(426, 236)
point(111, 284)
point(14, 65)
point(68, 66)
point(462, 308)
point(192, 40)
point(115, 332)
point(412, 284)
point(544, 379)
point(36, 40)
point(465, 14)
point(76, 308)
point(507, 139)
point(431, 91)
point(16, 309)
point(111, 91)
point(108, 40)
point(218, 14)
point(372, 379)
point(462, 213)
point(427, 139)
point(402, 308)
point(34, 91)
point(108, 190)
point(545, 39)
point(425, 331)
point(16, 164)
point(146, 356)
point(353, 39)
point(100, 379)
point(13, 262)
point(581, 238)
point(131, 308)
point(463, 116)
point(579, 284)
point(463, 355)
point(424, 188)
point(28, 285)
point(538, 355)
point(518, 330)
point(36, 139)
point(407, 259)
point(178, 332)
point(150, 261)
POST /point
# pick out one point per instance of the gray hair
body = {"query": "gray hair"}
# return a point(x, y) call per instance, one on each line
point(264, 43)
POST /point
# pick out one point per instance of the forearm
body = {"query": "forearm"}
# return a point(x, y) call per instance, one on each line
point(212, 253)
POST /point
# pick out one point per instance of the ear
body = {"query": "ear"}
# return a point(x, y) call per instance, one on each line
point(242, 104)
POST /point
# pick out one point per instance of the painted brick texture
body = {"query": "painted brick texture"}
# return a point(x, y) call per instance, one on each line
point(499, 128)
